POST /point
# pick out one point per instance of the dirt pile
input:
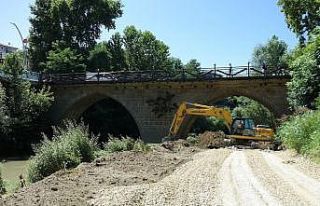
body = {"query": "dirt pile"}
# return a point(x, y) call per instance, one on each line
point(79, 185)
point(212, 140)
point(223, 177)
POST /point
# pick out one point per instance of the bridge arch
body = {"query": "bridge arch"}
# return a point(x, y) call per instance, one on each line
point(79, 103)
point(274, 99)
point(260, 99)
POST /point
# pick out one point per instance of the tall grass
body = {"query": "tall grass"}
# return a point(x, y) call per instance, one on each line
point(302, 133)
point(125, 144)
point(69, 147)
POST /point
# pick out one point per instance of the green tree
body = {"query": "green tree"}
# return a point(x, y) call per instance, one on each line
point(44, 30)
point(302, 16)
point(304, 86)
point(193, 67)
point(20, 103)
point(174, 65)
point(3, 111)
point(76, 22)
point(203, 124)
point(100, 58)
point(273, 53)
point(248, 108)
point(116, 48)
point(64, 60)
point(144, 51)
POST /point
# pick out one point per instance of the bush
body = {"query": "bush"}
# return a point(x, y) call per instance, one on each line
point(193, 139)
point(68, 148)
point(125, 144)
point(140, 146)
point(314, 146)
point(2, 187)
point(302, 133)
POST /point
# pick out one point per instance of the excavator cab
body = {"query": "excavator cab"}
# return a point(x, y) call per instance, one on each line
point(243, 126)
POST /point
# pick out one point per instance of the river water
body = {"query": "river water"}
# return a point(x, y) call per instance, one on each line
point(12, 169)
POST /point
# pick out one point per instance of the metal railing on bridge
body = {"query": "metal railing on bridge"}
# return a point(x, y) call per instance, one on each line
point(203, 74)
point(27, 75)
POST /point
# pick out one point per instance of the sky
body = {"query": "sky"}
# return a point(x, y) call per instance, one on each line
point(211, 31)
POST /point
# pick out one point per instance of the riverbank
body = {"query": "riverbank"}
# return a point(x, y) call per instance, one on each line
point(11, 169)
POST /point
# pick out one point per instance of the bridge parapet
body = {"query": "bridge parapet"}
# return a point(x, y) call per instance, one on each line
point(204, 74)
point(182, 75)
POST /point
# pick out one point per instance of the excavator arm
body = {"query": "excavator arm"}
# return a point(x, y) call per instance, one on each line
point(187, 112)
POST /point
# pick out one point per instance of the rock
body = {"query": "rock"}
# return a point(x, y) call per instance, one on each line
point(54, 189)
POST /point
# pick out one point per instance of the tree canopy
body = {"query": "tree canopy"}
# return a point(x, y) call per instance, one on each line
point(304, 86)
point(302, 16)
point(117, 52)
point(193, 67)
point(64, 60)
point(249, 108)
point(78, 23)
point(273, 53)
point(100, 58)
point(144, 51)
point(20, 104)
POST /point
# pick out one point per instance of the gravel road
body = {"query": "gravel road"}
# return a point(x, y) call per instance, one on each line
point(223, 177)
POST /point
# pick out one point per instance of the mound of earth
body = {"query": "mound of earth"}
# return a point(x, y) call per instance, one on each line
point(79, 185)
point(212, 140)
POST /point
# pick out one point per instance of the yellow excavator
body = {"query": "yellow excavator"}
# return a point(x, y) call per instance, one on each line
point(238, 128)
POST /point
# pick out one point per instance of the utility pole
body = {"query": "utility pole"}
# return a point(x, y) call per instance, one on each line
point(24, 42)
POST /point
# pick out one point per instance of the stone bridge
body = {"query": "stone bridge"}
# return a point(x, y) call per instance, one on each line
point(143, 93)
point(71, 100)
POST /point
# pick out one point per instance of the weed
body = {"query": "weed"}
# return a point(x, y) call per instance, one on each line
point(125, 144)
point(140, 146)
point(302, 133)
point(69, 147)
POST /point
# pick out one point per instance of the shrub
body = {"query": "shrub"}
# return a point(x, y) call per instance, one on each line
point(140, 146)
point(69, 147)
point(2, 187)
point(193, 139)
point(314, 146)
point(125, 144)
point(119, 144)
point(302, 133)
